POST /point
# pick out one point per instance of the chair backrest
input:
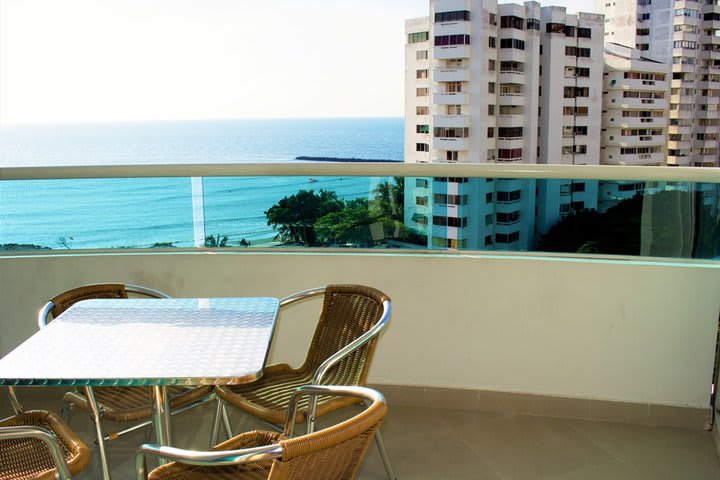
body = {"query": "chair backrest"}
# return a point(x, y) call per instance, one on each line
point(334, 453)
point(348, 312)
point(61, 302)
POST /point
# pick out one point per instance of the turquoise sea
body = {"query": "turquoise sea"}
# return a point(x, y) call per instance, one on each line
point(107, 213)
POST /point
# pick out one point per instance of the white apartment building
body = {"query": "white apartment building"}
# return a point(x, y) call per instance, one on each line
point(635, 118)
point(683, 34)
point(480, 89)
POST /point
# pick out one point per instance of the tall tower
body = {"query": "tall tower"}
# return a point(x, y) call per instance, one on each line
point(683, 34)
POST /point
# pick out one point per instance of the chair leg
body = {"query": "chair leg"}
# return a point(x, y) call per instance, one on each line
point(384, 455)
point(226, 421)
point(215, 432)
point(97, 419)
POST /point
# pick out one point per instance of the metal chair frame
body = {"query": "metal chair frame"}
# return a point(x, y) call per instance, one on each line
point(254, 454)
point(45, 436)
point(317, 378)
point(96, 413)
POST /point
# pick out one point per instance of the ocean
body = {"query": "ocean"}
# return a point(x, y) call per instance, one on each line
point(114, 213)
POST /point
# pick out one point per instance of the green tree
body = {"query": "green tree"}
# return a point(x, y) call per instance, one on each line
point(216, 241)
point(294, 217)
point(351, 225)
point(390, 198)
point(682, 225)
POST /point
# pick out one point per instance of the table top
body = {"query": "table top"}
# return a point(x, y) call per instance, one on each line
point(135, 342)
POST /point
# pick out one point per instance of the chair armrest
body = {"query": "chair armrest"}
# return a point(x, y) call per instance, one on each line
point(205, 458)
point(313, 391)
point(43, 314)
point(14, 401)
point(296, 297)
point(45, 436)
point(352, 346)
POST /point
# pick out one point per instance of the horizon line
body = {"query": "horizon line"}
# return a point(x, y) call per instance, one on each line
point(188, 120)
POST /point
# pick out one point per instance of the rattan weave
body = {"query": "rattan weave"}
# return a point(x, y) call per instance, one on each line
point(348, 311)
point(29, 459)
point(120, 404)
point(331, 454)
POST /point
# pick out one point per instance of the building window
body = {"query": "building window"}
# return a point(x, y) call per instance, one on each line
point(555, 28)
point(577, 52)
point(491, 110)
point(444, 132)
point(491, 65)
point(578, 187)
point(491, 132)
point(533, 24)
point(573, 92)
point(510, 154)
point(454, 109)
point(489, 197)
point(421, 201)
point(451, 156)
point(418, 37)
point(422, 92)
point(512, 43)
point(421, 74)
point(453, 87)
point(509, 21)
point(569, 31)
point(507, 238)
point(507, 218)
point(422, 110)
point(456, 16)
point(422, 147)
point(489, 220)
point(491, 87)
point(421, 183)
point(491, 42)
point(444, 40)
point(422, 128)
point(510, 132)
point(583, 32)
point(492, 19)
point(421, 55)
point(488, 240)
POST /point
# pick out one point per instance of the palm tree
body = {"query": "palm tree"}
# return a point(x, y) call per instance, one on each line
point(216, 241)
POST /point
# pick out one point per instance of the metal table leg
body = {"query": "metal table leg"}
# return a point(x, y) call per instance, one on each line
point(161, 417)
point(97, 419)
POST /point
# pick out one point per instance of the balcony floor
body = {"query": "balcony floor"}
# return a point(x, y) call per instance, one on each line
point(434, 444)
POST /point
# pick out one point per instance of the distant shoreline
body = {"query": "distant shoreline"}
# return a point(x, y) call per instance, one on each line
point(345, 160)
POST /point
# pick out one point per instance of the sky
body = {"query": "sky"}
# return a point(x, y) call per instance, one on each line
point(84, 61)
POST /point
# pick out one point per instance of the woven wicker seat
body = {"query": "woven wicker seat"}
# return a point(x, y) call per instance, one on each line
point(118, 404)
point(349, 313)
point(334, 453)
point(28, 458)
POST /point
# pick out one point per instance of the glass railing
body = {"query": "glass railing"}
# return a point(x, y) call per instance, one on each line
point(646, 212)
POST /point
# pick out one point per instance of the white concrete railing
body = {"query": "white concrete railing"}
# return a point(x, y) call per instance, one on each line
point(576, 172)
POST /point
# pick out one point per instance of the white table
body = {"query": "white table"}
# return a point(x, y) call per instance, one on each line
point(147, 342)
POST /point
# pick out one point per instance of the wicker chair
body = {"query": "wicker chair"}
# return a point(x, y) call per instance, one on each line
point(118, 404)
point(334, 453)
point(341, 352)
point(37, 445)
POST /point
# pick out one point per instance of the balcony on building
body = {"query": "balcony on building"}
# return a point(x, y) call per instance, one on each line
point(499, 362)
point(446, 52)
point(452, 121)
point(451, 98)
point(451, 74)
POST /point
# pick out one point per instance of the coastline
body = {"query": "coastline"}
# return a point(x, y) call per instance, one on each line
point(344, 160)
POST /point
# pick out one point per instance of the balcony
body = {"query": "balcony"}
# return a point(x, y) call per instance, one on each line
point(451, 75)
point(504, 374)
point(451, 121)
point(447, 143)
point(446, 52)
point(511, 76)
point(458, 98)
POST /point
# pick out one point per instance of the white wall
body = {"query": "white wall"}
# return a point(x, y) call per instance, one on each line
point(625, 331)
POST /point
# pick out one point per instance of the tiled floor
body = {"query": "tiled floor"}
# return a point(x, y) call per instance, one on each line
point(441, 444)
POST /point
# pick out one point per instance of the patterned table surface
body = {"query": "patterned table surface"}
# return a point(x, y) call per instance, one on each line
point(188, 341)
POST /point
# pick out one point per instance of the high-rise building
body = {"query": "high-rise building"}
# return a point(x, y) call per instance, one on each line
point(683, 34)
point(488, 83)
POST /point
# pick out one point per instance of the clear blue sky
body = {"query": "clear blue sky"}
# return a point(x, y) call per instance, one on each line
point(115, 60)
